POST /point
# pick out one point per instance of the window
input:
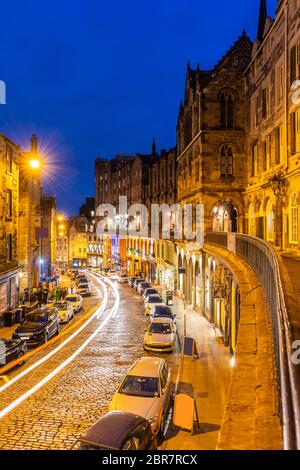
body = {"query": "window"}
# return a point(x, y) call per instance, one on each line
point(9, 247)
point(227, 110)
point(9, 210)
point(197, 168)
point(270, 221)
point(251, 221)
point(295, 63)
point(226, 161)
point(256, 111)
point(254, 160)
point(295, 132)
point(293, 217)
point(264, 155)
point(268, 151)
point(264, 103)
point(279, 79)
point(278, 144)
point(9, 159)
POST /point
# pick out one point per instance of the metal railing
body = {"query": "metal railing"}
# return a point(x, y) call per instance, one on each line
point(265, 261)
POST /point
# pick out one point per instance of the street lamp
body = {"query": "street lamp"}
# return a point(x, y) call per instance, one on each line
point(35, 164)
point(279, 185)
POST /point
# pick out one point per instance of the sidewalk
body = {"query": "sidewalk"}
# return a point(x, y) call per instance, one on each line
point(292, 265)
point(6, 332)
point(210, 376)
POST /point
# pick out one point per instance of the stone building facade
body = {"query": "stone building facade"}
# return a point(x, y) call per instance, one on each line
point(29, 219)
point(212, 151)
point(272, 197)
point(9, 230)
point(48, 234)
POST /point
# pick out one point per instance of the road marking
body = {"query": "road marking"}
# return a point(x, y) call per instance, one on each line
point(65, 363)
point(97, 315)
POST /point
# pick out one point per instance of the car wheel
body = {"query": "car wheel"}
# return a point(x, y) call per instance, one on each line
point(162, 426)
point(20, 355)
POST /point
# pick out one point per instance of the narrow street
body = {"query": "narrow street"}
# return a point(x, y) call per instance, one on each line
point(62, 409)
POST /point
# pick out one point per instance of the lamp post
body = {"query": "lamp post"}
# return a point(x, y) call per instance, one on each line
point(279, 186)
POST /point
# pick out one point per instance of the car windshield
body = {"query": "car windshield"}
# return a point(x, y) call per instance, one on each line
point(140, 386)
point(37, 317)
point(83, 286)
point(155, 299)
point(162, 328)
point(72, 299)
point(151, 291)
point(61, 305)
point(161, 310)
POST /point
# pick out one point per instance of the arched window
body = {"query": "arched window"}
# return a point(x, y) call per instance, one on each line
point(270, 221)
point(293, 216)
point(227, 110)
point(251, 221)
point(197, 170)
point(226, 161)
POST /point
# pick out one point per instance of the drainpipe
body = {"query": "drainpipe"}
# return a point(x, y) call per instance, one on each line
point(286, 98)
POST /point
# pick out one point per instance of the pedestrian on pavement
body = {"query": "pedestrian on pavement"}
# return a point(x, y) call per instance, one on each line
point(39, 297)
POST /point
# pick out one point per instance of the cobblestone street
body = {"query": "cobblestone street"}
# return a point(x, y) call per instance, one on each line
point(56, 415)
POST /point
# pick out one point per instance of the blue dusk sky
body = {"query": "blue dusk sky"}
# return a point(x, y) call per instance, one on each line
point(96, 78)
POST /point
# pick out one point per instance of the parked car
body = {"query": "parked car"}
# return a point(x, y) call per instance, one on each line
point(162, 311)
point(150, 291)
point(137, 282)
point(161, 335)
point(151, 302)
point(123, 278)
point(10, 350)
point(142, 286)
point(119, 431)
point(81, 279)
point(131, 281)
point(75, 301)
point(84, 289)
point(65, 311)
point(38, 327)
point(146, 391)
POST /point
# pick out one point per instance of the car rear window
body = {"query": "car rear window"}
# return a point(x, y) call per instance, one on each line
point(37, 317)
point(163, 310)
point(140, 386)
point(61, 305)
point(72, 299)
point(154, 299)
point(162, 328)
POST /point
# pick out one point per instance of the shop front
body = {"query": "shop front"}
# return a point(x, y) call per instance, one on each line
point(8, 292)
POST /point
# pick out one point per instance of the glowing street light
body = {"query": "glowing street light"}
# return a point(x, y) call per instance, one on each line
point(35, 164)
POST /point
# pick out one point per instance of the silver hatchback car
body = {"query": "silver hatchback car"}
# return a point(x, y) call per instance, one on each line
point(146, 391)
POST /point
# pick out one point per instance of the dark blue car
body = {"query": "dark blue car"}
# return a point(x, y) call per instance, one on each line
point(38, 327)
point(119, 431)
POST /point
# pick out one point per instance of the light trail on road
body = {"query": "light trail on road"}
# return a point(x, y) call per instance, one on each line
point(29, 369)
point(68, 361)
